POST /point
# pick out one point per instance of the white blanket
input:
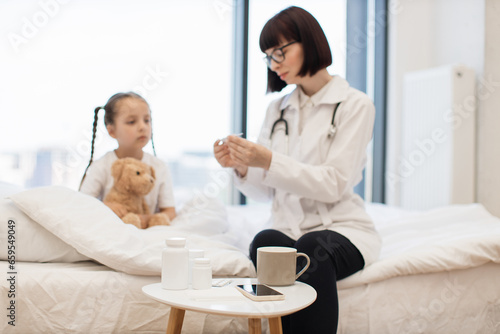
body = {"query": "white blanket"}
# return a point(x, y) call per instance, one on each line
point(444, 239)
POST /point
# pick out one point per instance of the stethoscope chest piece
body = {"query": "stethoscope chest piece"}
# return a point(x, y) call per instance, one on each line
point(332, 132)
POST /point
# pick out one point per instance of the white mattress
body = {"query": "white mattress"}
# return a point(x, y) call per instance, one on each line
point(87, 297)
point(460, 301)
point(90, 298)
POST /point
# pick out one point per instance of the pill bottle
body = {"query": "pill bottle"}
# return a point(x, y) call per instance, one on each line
point(193, 254)
point(202, 274)
point(175, 262)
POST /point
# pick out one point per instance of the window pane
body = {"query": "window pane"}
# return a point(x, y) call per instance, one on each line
point(60, 60)
point(331, 15)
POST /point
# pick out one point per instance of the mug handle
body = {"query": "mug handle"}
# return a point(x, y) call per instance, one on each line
point(305, 267)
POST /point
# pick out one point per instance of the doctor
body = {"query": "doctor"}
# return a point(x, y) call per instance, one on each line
point(309, 156)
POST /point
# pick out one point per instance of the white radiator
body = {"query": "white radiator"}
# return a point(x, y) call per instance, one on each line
point(437, 165)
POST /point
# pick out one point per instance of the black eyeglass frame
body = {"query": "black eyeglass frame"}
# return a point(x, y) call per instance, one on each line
point(267, 59)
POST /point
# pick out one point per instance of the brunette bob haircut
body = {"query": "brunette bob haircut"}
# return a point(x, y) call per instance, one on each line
point(296, 24)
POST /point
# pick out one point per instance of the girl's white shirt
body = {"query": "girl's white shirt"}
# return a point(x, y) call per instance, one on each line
point(99, 181)
point(312, 187)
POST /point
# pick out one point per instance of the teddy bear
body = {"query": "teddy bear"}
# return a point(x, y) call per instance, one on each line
point(133, 180)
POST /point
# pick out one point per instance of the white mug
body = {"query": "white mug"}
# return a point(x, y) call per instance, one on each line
point(278, 265)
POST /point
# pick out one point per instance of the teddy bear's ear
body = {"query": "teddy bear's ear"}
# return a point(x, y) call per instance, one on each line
point(153, 173)
point(117, 168)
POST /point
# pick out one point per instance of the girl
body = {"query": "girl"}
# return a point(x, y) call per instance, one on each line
point(128, 120)
point(310, 154)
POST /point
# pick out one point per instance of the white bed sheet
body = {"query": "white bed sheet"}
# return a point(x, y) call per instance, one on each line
point(444, 239)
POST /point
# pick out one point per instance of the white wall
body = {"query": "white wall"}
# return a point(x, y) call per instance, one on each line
point(430, 33)
point(488, 163)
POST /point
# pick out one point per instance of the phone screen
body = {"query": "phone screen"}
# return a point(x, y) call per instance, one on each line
point(259, 290)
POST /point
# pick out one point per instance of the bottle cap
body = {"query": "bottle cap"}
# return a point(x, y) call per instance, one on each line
point(176, 242)
point(202, 261)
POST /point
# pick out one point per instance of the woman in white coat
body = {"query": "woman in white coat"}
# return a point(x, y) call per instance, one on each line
point(309, 156)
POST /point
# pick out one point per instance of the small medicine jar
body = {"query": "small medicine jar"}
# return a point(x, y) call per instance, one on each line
point(202, 274)
point(193, 254)
point(175, 261)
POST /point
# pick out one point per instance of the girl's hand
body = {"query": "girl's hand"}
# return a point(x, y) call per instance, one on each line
point(170, 212)
point(246, 153)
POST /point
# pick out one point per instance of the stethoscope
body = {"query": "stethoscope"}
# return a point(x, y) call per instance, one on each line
point(331, 132)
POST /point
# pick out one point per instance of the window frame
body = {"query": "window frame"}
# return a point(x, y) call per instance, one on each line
point(240, 77)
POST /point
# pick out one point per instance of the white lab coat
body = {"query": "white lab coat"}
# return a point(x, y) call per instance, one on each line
point(312, 185)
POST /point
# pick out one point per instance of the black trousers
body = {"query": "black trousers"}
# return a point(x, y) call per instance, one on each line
point(333, 257)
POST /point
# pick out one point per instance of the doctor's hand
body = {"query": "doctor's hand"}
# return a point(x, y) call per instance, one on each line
point(221, 154)
point(246, 153)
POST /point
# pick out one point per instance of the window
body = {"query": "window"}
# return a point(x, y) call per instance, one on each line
point(62, 59)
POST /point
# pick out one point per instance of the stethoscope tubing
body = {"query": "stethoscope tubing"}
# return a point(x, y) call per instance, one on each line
point(281, 119)
point(331, 133)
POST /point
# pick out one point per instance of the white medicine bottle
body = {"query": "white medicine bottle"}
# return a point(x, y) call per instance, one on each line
point(193, 254)
point(174, 269)
point(202, 274)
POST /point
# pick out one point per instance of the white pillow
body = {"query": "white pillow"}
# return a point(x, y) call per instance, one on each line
point(32, 242)
point(95, 231)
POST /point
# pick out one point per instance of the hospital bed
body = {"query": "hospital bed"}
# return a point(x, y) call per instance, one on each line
point(78, 269)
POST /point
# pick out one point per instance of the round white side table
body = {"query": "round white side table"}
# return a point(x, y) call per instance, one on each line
point(230, 302)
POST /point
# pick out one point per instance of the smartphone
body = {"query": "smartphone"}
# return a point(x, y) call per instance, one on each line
point(260, 292)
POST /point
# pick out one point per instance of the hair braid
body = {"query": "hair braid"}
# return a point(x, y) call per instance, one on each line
point(153, 143)
point(94, 130)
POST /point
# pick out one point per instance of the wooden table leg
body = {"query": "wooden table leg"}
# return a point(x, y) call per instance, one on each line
point(175, 320)
point(275, 325)
point(254, 326)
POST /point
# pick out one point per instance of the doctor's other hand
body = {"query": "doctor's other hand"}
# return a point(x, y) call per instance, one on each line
point(221, 154)
point(246, 153)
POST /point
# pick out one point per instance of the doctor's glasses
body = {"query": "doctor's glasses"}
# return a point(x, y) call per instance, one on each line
point(277, 55)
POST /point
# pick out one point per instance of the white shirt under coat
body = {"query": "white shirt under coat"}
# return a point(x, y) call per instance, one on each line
point(312, 186)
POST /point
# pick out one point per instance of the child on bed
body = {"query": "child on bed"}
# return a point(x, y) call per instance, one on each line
point(128, 120)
